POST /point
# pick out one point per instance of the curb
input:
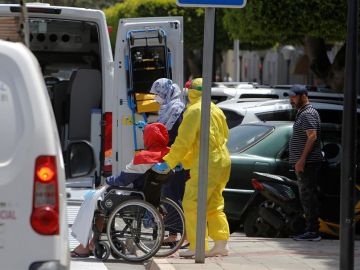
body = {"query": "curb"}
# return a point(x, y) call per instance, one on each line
point(160, 264)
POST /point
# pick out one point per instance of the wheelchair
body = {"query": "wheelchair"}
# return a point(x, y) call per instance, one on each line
point(136, 222)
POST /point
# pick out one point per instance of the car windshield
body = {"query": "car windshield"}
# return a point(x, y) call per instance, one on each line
point(242, 136)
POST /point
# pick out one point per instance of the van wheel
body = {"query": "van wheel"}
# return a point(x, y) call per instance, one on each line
point(102, 251)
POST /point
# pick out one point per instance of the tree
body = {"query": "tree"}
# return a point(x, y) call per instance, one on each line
point(312, 23)
point(193, 26)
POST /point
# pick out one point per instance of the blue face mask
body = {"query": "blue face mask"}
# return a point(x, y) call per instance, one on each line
point(159, 99)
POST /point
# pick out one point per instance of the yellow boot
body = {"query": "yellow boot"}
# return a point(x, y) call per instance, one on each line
point(219, 249)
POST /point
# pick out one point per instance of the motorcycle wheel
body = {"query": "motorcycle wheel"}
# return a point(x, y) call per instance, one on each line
point(234, 225)
point(256, 226)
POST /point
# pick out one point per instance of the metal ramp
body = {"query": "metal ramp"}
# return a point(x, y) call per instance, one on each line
point(72, 210)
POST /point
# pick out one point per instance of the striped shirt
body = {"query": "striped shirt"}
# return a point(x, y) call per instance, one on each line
point(307, 118)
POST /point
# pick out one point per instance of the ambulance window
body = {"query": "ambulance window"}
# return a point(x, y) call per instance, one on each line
point(11, 120)
point(148, 65)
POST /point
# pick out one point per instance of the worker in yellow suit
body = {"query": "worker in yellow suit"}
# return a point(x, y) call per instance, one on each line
point(185, 150)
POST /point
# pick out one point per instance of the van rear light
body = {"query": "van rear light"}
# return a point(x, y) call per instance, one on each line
point(110, 29)
point(45, 210)
point(257, 185)
point(107, 168)
point(37, 10)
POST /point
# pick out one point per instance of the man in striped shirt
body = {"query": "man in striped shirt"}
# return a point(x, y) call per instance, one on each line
point(306, 158)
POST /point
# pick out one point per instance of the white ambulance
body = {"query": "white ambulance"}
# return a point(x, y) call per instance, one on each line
point(33, 222)
point(95, 98)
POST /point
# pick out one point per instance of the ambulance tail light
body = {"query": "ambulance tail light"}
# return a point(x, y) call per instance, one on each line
point(45, 210)
point(107, 168)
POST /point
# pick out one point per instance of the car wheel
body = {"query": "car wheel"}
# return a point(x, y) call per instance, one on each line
point(256, 226)
point(234, 225)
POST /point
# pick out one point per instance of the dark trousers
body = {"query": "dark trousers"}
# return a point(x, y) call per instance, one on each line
point(174, 190)
point(307, 181)
point(175, 187)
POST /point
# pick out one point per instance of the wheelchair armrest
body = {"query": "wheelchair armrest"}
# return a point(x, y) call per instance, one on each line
point(121, 188)
point(130, 191)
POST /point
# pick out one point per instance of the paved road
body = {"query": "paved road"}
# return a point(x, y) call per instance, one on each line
point(245, 253)
point(93, 264)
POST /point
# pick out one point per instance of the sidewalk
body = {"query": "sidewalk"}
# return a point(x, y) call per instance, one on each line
point(265, 254)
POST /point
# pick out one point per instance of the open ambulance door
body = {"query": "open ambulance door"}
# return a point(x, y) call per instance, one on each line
point(146, 49)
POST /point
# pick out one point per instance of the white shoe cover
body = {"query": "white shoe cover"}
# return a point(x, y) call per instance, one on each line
point(187, 253)
point(130, 246)
point(219, 249)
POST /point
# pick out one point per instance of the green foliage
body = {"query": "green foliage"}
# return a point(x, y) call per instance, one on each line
point(193, 19)
point(266, 22)
point(95, 4)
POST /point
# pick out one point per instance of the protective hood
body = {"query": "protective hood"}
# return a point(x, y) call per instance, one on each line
point(195, 90)
point(194, 96)
point(156, 139)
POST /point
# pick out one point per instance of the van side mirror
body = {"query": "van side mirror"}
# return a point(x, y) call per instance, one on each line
point(79, 159)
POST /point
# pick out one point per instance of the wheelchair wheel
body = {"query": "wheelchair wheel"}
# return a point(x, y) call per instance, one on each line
point(174, 227)
point(102, 251)
point(137, 228)
point(120, 246)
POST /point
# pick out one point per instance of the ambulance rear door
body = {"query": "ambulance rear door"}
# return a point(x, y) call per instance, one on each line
point(146, 49)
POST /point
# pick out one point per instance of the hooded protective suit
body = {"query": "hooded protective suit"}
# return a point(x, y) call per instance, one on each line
point(186, 149)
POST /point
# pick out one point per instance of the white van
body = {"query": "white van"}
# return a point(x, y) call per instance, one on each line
point(95, 98)
point(33, 223)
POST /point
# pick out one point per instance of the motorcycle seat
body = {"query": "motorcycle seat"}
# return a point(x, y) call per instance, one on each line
point(276, 178)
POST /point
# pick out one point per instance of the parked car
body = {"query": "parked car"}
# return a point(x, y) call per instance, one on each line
point(221, 91)
point(263, 147)
point(238, 92)
point(277, 110)
point(33, 220)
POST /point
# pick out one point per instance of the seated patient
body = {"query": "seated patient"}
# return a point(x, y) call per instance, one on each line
point(155, 142)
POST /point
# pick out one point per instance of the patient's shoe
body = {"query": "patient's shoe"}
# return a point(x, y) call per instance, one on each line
point(130, 246)
point(219, 249)
point(187, 253)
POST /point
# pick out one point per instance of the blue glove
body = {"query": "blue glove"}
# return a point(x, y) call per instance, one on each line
point(161, 168)
point(110, 180)
point(88, 195)
point(141, 125)
point(178, 168)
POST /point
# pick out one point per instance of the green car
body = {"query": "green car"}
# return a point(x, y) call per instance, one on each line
point(263, 147)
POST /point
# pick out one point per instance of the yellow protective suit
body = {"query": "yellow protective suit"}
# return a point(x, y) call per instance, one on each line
point(186, 149)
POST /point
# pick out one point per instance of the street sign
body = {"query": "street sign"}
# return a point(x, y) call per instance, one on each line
point(212, 3)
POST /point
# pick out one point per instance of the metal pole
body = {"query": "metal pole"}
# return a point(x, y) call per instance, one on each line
point(204, 134)
point(261, 69)
point(348, 142)
point(236, 60)
point(24, 25)
point(288, 71)
point(213, 72)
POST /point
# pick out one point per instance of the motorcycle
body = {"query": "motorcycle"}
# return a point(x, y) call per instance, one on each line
point(275, 210)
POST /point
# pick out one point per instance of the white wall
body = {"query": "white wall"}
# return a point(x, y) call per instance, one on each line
point(274, 66)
